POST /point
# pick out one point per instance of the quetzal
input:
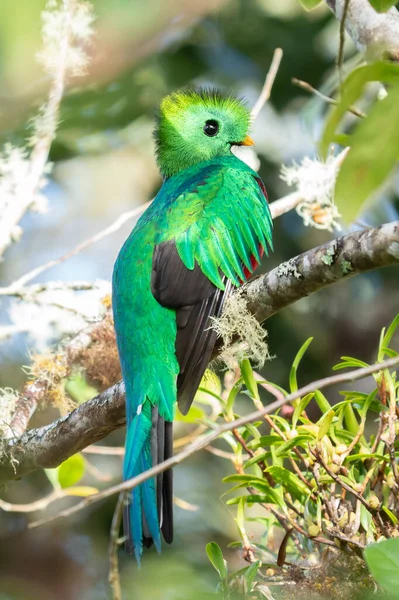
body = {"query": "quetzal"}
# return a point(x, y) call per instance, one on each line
point(204, 233)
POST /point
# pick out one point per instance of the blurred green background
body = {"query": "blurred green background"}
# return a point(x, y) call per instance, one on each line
point(104, 165)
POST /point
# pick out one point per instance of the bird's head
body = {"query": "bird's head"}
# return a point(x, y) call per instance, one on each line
point(193, 127)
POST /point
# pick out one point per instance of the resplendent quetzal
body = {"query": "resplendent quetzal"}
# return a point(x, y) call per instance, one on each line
point(204, 233)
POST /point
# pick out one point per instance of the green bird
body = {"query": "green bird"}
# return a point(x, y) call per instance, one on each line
point(203, 235)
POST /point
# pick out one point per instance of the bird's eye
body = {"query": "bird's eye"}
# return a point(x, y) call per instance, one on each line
point(211, 128)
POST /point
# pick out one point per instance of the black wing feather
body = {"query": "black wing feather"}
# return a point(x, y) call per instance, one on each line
point(195, 300)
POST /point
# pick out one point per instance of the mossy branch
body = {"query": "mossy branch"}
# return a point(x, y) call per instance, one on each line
point(374, 34)
point(320, 267)
point(309, 272)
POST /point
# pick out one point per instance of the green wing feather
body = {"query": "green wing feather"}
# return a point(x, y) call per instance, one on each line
point(227, 220)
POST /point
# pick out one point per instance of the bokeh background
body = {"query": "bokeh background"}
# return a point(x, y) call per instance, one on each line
point(104, 165)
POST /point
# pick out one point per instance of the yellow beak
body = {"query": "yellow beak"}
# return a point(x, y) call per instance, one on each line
point(247, 141)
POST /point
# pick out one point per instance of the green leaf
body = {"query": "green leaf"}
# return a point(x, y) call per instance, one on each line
point(240, 478)
point(350, 419)
point(322, 401)
point(202, 396)
point(251, 573)
point(298, 440)
point(264, 441)
point(71, 471)
point(249, 378)
point(284, 425)
point(342, 139)
point(78, 388)
point(215, 556)
point(386, 340)
point(240, 516)
point(255, 499)
point(381, 5)
point(365, 456)
point(390, 514)
point(349, 362)
point(324, 424)
point(366, 519)
point(301, 406)
point(389, 352)
point(290, 481)
point(344, 436)
point(295, 365)
point(260, 484)
point(383, 562)
point(359, 400)
point(232, 397)
point(309, 5)
point(372, 156)
point(348, 480)
point(194, 414)
point(52, 476)
point(252, 430)
point(256, 459)
point(384, 71)
point(367, 403)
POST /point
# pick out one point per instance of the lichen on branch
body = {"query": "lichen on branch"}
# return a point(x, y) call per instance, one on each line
point(350, 255)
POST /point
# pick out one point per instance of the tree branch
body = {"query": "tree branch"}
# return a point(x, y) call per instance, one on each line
point(34, 392)
point(374, 34)
point(49, 446)
point(17, 288)
point(320, 267)
point(300, 276)
point(267, 86)
point(204, 441)
point(22, 192)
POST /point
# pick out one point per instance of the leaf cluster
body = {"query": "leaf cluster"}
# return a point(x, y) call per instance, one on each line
point(304, 482)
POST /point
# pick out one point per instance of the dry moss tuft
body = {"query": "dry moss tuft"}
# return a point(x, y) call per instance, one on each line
point(242, 335)
point(52, 369)
point(100, 359)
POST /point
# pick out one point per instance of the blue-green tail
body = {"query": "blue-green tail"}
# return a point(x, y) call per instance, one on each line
point(142, 512)
point(149, 441)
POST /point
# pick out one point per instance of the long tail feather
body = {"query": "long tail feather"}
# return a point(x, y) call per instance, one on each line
point(149, 441)
point(151, 531)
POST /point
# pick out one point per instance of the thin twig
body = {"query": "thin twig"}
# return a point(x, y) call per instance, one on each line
point(304, 85)
point(340, 57)
point(31, 506)
point(121, 220)
point(184, 505)
point(113, 573)
point(105, 450)
point(267, 86)
point(43, 503)
point(374, 511)
point(205, 440)
point(223, 453)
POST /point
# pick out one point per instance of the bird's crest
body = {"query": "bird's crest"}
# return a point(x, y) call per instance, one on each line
point(194, 126)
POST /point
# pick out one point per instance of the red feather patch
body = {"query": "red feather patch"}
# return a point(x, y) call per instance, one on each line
point(254, 264)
